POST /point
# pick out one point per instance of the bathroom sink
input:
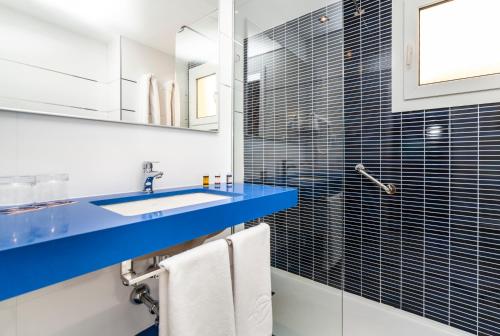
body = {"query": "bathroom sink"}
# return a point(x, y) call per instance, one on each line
point(92, 237)
point(154, 204)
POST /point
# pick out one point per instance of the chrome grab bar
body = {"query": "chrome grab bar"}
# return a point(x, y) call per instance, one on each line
point(390, 189)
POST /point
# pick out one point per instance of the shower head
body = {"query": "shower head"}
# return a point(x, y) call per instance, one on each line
point(184, 27)
point(359, 11)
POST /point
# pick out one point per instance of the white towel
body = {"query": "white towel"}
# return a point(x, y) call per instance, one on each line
point(252, 281)
point(172, 104)
point(148, 110)
point(196, 294)
point(154, 101)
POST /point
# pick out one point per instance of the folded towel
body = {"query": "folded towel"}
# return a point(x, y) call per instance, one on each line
point(196, 294)
point(252, 281)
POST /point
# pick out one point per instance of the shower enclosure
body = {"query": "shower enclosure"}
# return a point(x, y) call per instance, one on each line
point(396, 230)
point(288, 127)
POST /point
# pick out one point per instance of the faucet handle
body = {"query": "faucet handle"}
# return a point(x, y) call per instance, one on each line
point(148, 166)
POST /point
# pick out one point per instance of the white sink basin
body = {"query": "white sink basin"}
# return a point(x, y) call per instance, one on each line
point(149, 205)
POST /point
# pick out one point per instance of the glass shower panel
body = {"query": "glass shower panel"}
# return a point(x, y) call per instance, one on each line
point(288, 131)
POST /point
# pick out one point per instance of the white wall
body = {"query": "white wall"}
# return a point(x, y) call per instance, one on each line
point(104, 158)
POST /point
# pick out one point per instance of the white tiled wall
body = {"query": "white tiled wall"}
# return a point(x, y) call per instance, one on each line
point(104, 158)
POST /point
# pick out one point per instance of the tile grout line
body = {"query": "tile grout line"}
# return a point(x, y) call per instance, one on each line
point(328, 142)
point(449, 116)
point(300, 152)
point(478, 213)
point(380, 157)
point(274, 154)
point(312, 154)
point(424, 312)
point(286, 155)
point(401, 210)
point(361, 145)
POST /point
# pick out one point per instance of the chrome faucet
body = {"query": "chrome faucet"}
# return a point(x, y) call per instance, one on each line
point(149, 176)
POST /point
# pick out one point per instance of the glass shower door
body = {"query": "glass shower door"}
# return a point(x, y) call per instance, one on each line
point(288, 131)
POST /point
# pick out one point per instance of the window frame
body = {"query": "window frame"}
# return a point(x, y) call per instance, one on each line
point(408, 93)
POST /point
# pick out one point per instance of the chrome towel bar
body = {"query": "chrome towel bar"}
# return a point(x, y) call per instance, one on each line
point(390, 189)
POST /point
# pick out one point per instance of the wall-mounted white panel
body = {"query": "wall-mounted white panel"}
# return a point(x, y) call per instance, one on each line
point(30, 106)
point(28, 40)
point(48, 68)
point(38, 85)
point(130, 96)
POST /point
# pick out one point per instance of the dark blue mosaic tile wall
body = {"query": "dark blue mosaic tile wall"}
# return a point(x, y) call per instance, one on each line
point(434, 248)
point(293, 135)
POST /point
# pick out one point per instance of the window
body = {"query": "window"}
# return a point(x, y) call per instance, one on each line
point(203, 97)
point(206, 89)
point(448, 49)
point(457, 40)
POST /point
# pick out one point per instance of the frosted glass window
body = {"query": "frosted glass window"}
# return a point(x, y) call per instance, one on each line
point(459, 39)
point(206, 89)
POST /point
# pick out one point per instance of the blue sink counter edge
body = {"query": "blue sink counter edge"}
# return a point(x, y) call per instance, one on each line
point(45, 247)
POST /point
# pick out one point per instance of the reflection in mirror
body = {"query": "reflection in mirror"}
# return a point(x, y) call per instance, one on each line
point(51, 64)
point(130, 60)
point(196, 72)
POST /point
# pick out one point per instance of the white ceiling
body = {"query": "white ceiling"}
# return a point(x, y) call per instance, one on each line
point(151, 22)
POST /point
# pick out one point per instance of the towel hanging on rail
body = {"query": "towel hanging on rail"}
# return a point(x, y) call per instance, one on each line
point(251, 259)
point(196, 292)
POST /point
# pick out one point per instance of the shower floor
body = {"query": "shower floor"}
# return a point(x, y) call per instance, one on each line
point(302, 307)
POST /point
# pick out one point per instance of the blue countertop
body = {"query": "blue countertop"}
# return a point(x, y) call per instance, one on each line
point(44, 247)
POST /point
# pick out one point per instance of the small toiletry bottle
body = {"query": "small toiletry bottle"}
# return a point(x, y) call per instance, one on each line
point(229, 180)
point(217, 181)
point(206, 181)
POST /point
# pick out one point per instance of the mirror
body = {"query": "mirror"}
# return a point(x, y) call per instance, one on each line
point(134, 61)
